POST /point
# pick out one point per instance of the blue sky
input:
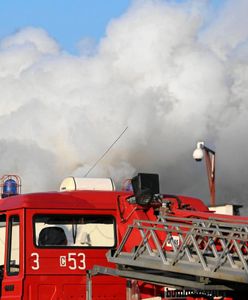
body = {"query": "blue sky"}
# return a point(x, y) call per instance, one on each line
point(68, 21)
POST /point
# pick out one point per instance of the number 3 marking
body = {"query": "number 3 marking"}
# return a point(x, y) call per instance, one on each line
point(35, 261)
point(82, 261)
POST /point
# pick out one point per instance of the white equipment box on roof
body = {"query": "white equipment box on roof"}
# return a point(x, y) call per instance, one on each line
point(76, 183)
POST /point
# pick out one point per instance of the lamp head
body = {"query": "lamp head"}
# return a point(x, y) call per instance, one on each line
point(198, 153)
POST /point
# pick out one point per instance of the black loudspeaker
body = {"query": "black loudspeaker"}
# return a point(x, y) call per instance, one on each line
point(145, 186)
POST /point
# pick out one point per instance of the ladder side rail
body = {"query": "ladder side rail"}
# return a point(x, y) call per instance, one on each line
point(224, 255)
point(189, 251)
point(183, 238)
point(169, 238)
point(182, 247)
point(186, 248)
point(210, 244)
point(146, 232)
point(226, 244)
point(246, 244)
point(208, 223)
point(221, 221)
point(143, 245)
point(144, 240)
point(223, 236)
point(146, 237)
point(211, 241)
point(202, 258)
point(160, 229)
point(213, 248)
point(158, 246)
point(239, 234)
point(124, 240)
point(175, 228)
point(136, 224)
point(219, 255)
point(209, 232)
point(128, 233)
point(222, 233)
point(232, 241)
point(198, 251)
point(241, 256)
point(175, 246)
point(223, 227)
point(228, 220)
point(201, 233)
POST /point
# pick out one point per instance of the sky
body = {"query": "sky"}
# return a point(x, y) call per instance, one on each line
point(72, 78)
point(66, 21)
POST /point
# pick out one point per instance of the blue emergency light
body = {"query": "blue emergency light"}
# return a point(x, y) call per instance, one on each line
point(9, 188)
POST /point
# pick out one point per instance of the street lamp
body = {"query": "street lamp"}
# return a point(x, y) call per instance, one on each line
point(198, 154)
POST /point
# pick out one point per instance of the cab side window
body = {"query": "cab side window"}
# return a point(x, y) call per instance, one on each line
point(2, 242)
point(13, 262)
point(63, 230)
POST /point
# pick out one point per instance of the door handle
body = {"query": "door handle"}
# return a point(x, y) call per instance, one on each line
point(9, 288)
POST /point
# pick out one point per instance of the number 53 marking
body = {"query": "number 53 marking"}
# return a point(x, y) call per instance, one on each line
point(72, 261)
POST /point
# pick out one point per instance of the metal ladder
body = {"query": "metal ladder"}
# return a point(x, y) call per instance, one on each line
point(198, 254)
point(212, 249)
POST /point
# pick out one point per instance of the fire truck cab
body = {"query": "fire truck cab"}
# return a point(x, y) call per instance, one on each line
point(49, 240)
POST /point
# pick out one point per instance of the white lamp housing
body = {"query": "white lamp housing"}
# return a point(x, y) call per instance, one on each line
point(198, 153)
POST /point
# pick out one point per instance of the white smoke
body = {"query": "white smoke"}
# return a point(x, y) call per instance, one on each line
point(163, 69)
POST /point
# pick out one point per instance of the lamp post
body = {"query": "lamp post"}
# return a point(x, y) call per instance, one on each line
point(199, 153)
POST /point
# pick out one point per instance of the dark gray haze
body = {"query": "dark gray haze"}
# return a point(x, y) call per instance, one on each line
point(174, 74)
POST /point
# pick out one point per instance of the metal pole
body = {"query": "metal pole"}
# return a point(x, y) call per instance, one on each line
point(129, 289)
point(210, 164)
point(88, 285)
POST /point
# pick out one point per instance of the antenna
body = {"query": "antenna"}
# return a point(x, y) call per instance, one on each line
point(99, 159)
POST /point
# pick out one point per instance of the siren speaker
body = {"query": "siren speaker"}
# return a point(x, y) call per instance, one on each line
point(145, 185)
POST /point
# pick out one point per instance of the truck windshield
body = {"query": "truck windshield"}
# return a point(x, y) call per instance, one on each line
point(74, 230)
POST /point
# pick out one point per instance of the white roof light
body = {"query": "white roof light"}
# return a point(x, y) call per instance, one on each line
point(98, 184)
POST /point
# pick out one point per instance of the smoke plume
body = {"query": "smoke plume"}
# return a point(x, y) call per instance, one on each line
point(173, 73)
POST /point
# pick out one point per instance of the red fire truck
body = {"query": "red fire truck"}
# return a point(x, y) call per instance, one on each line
point(89, 241)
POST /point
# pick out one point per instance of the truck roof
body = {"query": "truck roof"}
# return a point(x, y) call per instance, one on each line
point(64, 200)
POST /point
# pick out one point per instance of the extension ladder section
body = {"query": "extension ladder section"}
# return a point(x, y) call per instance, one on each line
point(211, 249)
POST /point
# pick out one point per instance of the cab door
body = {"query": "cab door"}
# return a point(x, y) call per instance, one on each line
point(2, 247)
point(13, 272)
